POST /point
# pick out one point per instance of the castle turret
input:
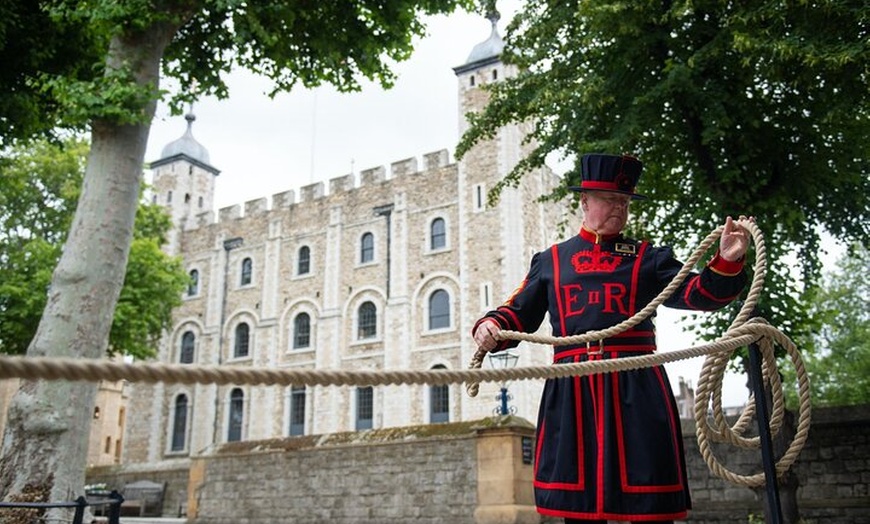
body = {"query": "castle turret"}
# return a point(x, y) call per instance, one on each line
point(483, 66)
point(497, 238)
point(183, 182)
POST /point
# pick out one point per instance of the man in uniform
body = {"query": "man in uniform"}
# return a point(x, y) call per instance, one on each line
point(609, 446)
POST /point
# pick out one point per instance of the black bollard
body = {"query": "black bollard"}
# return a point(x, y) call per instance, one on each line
point(767, 458)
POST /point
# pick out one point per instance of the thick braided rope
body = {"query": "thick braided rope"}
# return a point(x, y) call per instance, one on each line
point(91, 370)
point(743, 329)
point(741, 333)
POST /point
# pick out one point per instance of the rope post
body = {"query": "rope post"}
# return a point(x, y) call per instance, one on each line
point(115, 507)
point(81, 503)
point(767, 458)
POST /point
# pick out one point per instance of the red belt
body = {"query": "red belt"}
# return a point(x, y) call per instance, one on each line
point(637, 344)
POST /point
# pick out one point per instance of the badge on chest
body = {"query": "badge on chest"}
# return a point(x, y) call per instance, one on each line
point(625, 249)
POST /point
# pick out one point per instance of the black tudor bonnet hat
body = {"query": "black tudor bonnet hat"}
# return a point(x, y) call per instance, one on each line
point(614, 173)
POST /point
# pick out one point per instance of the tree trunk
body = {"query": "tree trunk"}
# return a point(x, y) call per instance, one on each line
point(45, 446)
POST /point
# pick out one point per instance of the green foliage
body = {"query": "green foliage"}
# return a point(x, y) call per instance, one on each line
point(113, 96)
point(25, 276)
point(759, 108)
point(838, 358)
point(41, 187)
point(34, 44)
point(333, 42)
point(152, 289)
point(56, 74)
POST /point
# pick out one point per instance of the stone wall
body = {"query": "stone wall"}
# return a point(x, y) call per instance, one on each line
point(476, 472)
point(175, 476)
point(422, 474)
point(832, 472)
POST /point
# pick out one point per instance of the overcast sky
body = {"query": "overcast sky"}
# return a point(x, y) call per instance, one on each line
point(265, 146)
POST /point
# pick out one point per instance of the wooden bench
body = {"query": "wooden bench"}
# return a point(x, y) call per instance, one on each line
point(143, 499)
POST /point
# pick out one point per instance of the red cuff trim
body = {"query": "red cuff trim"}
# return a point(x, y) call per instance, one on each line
point(725, 267)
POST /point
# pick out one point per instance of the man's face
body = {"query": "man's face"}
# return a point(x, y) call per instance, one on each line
point(604, 212)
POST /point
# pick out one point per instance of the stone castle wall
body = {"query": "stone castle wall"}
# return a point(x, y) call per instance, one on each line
point(478, 473)
point(404, 273)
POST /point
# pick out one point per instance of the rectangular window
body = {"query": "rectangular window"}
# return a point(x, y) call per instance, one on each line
point(486, 296)
point(367, 248)
point(297, 410)
point(304, 266)
point(367, 323)
point(479, 198)
point(247, 270)
point(439, 397)
point(364, 407)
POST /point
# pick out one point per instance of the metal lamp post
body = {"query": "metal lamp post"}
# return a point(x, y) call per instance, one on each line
point(504, 360)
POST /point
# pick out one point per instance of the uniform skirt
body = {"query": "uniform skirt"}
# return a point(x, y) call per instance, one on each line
point(609, 446)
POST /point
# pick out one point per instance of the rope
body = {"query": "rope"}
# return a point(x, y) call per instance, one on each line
point(743, 331)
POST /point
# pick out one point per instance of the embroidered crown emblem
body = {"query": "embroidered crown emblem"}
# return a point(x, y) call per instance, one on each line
point(595, 262)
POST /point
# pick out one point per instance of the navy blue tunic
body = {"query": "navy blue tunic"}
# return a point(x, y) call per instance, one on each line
point(609, 446)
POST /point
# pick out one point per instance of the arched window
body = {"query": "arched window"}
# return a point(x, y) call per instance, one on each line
point(367, 321)
point(179, 423)
point(302, 331)
point(242, 341)
point(247, 270)
point(169, 197)
point(297, 410)
point(439, 401)
point(364, 407)
point(237, 415)
point(437, 234)
point(303, 267)
point(367, 248)
point(200, 201)
point(193, 285)
point(188, 344)
point(439, 310)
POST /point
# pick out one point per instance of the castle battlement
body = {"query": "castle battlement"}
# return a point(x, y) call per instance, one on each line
point(407, 166)
point(340, 184)
point(256, 206)
point(226, 214)
point(374, 175)
point(343, 185)
point(311, 192)
point(283, 200)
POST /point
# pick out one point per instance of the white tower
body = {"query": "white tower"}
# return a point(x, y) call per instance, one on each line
point(183, 182)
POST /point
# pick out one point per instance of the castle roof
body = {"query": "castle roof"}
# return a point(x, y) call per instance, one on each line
point(492, 46)
point(187, 147)
point(487, 52)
